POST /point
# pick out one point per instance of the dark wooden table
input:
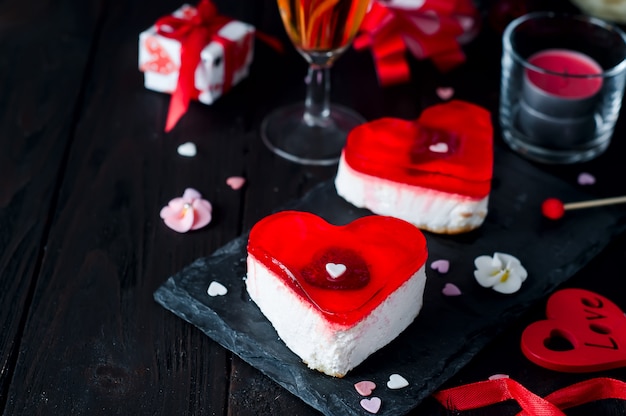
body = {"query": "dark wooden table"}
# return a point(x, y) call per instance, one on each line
point(85, 168)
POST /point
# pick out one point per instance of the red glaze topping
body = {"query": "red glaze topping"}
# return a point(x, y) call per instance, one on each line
point(296, 246)
point(448, 148)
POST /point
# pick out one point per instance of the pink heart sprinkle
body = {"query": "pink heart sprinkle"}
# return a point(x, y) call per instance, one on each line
point(365, 388)
point(235, 182)
point(445, 93)
point(586, 179)
point(450, 289)
point(442, 266)
point(371, 405)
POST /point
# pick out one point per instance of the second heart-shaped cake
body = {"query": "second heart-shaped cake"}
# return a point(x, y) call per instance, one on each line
point(434, 172)
point(336, 294)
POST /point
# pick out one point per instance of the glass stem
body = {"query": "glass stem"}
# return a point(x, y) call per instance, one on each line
point(317, 101)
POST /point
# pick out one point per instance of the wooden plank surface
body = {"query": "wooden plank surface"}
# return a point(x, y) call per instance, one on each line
point(44, 53)
point(106, 344)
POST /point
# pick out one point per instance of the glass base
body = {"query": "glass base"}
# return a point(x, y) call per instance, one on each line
point(556, 156)
point(286, 132)
point(553, 144)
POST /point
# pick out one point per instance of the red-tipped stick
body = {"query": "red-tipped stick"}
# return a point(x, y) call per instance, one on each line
point(554, 209)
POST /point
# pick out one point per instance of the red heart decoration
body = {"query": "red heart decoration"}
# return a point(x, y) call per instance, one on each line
point(294, 244)
point(411, 151)
point(594, 327)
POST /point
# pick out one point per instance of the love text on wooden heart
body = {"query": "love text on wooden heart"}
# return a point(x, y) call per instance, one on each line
point(583, 332)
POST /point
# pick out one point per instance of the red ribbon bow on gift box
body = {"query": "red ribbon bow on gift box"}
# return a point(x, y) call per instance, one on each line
point(432, 29)
point(485, 393)
point(197, 28)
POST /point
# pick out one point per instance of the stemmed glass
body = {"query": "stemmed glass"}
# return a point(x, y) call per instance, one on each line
point(313, 132)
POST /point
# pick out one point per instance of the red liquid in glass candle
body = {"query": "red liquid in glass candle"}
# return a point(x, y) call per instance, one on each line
point(563, 63)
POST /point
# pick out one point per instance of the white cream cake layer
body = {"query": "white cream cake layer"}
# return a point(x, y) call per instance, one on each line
point(331, 348)
point(428, 209)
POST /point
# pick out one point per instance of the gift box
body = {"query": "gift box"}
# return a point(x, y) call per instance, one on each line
point(195, 54)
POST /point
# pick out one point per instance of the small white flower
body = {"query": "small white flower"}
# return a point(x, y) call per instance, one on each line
point(502, 272)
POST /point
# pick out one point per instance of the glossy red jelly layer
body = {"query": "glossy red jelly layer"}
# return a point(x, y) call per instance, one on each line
point(289, 243)
point(411, 151)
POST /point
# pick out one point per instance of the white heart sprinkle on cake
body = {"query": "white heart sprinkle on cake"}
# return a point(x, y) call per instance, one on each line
point(440, 147)
point(335, 270)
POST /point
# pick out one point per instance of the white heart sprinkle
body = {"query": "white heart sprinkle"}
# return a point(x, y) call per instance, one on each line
point(187, 149)
point(217, 289)
point(396, 381)
point(335, 270)
point(440, 147)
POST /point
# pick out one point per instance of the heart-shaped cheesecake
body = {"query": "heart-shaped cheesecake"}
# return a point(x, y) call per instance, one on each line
point(434, 172)
point(335, 294)
point(583, 332)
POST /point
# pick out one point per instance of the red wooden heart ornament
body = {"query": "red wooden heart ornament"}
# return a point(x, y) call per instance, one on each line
point(448, 148)
point(592, 326)
point(346, 271)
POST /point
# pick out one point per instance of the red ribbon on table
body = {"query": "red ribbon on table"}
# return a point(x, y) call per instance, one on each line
point(198, 27)
point(433, 30)
point(484, 393)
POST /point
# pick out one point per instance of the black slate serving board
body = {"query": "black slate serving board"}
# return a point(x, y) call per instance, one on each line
point(449, 330)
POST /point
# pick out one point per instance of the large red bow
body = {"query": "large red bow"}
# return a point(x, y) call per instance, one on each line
point(431, 30)
point(197, 28)
point(484, 393)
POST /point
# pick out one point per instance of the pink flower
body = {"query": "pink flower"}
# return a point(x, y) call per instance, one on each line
point(187, 213)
